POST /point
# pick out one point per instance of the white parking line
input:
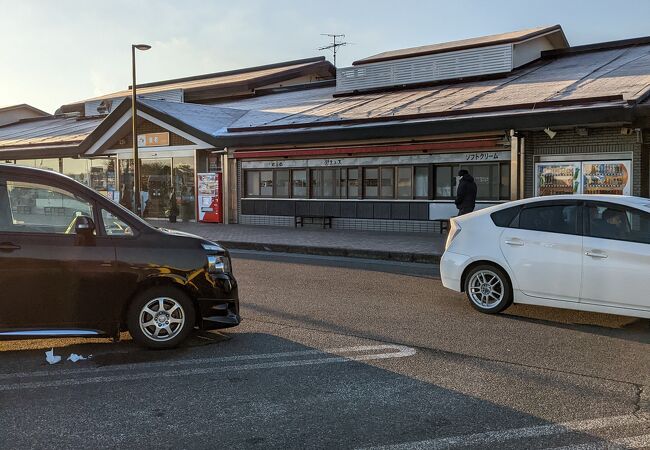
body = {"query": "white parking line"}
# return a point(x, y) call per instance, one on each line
point(631, 442)
point(493, 437)
point(337, 355)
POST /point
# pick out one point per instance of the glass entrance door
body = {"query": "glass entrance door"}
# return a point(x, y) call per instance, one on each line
point(156, 187)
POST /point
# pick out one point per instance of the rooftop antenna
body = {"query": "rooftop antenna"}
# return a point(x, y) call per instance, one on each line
point(334, 45)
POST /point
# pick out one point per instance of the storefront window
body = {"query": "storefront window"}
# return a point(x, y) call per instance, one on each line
point(353, 183)
point(421, 182)
point(77, 169)
point(486, 178)
point(444, 181)
point(46, 164)
point(266, 183)
point(505, 182)
point(184, 187)
point(252, 183)
point(299, 186)
point(404, 182)
point(156, 192)
point(387, 182)
point(126, 184)
point(282, 184)
point(370, 183)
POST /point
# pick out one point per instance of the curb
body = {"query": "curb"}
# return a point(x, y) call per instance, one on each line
point(423, 258)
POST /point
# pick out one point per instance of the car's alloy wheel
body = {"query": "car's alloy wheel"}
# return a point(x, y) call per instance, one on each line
point(488, 289)
point(162, 319)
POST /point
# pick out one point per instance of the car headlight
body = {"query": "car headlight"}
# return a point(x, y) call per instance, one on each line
point(218, 264)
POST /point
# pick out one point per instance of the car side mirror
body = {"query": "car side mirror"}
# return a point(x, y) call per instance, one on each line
point(84, 226)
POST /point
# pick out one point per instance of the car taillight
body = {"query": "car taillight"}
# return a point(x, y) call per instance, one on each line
point(454, 230)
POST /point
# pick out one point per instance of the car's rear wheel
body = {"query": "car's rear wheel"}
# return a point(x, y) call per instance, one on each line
point(488, 289)
point(161, 317)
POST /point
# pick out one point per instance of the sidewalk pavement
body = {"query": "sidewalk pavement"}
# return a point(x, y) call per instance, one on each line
point(408, 247)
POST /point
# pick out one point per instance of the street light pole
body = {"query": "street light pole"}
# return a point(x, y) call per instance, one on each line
point(134, 131)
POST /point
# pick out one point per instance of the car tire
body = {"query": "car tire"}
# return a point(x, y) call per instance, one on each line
point(161, 317)
point(488, 289)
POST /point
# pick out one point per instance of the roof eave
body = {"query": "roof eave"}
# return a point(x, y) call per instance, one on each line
point(611, 114)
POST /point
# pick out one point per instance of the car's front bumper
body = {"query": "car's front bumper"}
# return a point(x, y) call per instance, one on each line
point(221, 308)
point(452, 266)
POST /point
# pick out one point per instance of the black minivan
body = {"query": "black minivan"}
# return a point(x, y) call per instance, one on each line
point(74, 263)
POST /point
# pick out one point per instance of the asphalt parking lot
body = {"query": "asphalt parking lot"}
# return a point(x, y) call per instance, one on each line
point(343, 354)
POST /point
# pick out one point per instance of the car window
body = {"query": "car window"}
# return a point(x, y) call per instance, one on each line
point(618, 222)
point(38, 208)
point(114, 225)
point(505, 217)
point(552, 218)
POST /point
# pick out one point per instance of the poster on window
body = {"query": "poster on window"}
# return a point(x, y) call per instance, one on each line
point(209, 197)
point(557, 178)
point(606, 177)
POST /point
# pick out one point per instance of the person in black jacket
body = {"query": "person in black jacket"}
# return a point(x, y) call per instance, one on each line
point(465, 193)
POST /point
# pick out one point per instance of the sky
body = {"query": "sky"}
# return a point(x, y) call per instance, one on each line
point(57, 52)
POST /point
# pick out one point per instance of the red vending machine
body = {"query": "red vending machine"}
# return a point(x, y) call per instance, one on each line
point(210, 207)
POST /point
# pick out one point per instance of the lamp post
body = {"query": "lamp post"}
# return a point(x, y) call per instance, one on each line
point(134, 131)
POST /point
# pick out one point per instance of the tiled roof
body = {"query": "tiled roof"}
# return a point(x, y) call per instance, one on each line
point(218, 80)
point(54, 131)
point(581, 78)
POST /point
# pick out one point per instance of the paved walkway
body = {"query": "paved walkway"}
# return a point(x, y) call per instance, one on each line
point(413, 247)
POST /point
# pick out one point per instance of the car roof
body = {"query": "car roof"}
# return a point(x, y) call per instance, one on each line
point(628, 200)
point(24, 170)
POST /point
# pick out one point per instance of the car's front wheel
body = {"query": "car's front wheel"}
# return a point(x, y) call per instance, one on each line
point(488, 289)
point(161, 317)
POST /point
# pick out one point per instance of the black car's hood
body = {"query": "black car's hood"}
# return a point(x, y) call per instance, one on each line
point(192, 236)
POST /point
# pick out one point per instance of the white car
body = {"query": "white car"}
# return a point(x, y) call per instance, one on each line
point(584, 252)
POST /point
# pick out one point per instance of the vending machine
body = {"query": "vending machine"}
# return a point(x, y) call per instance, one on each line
point(209, 197)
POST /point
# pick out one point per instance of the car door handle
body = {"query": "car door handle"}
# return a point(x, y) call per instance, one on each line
point(8, 247)
point(515, 242)
point(596, 254)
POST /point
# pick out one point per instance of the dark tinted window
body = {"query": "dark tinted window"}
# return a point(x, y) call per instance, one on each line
point(551, 218)
point(505, 217)
point(618, 222)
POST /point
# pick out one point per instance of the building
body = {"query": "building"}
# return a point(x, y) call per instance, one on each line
point(16, 113)
point(378, 146)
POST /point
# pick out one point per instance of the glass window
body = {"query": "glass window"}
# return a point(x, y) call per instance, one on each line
point(115, 226)
point(156, 191)
point(505, 217)
point(299, 186)
point(330, 183)
point(126, 184)
point(443, 181)
point(387, 182)
point(37, 208)
point(421, 182)
point(184, 187)
point(266, 183)
point(619, 223)
point(343, 183)
point(550, 218)
point(486, 177)
point(353, 183)
point(370, 183)
point(505, 182)
point(252, 183)
point(404, 182)
point(316, 178)
point(282, 183)
point(52, 164)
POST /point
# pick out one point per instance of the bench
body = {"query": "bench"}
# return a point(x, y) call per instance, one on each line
point(325, 220)
point(443, 223)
